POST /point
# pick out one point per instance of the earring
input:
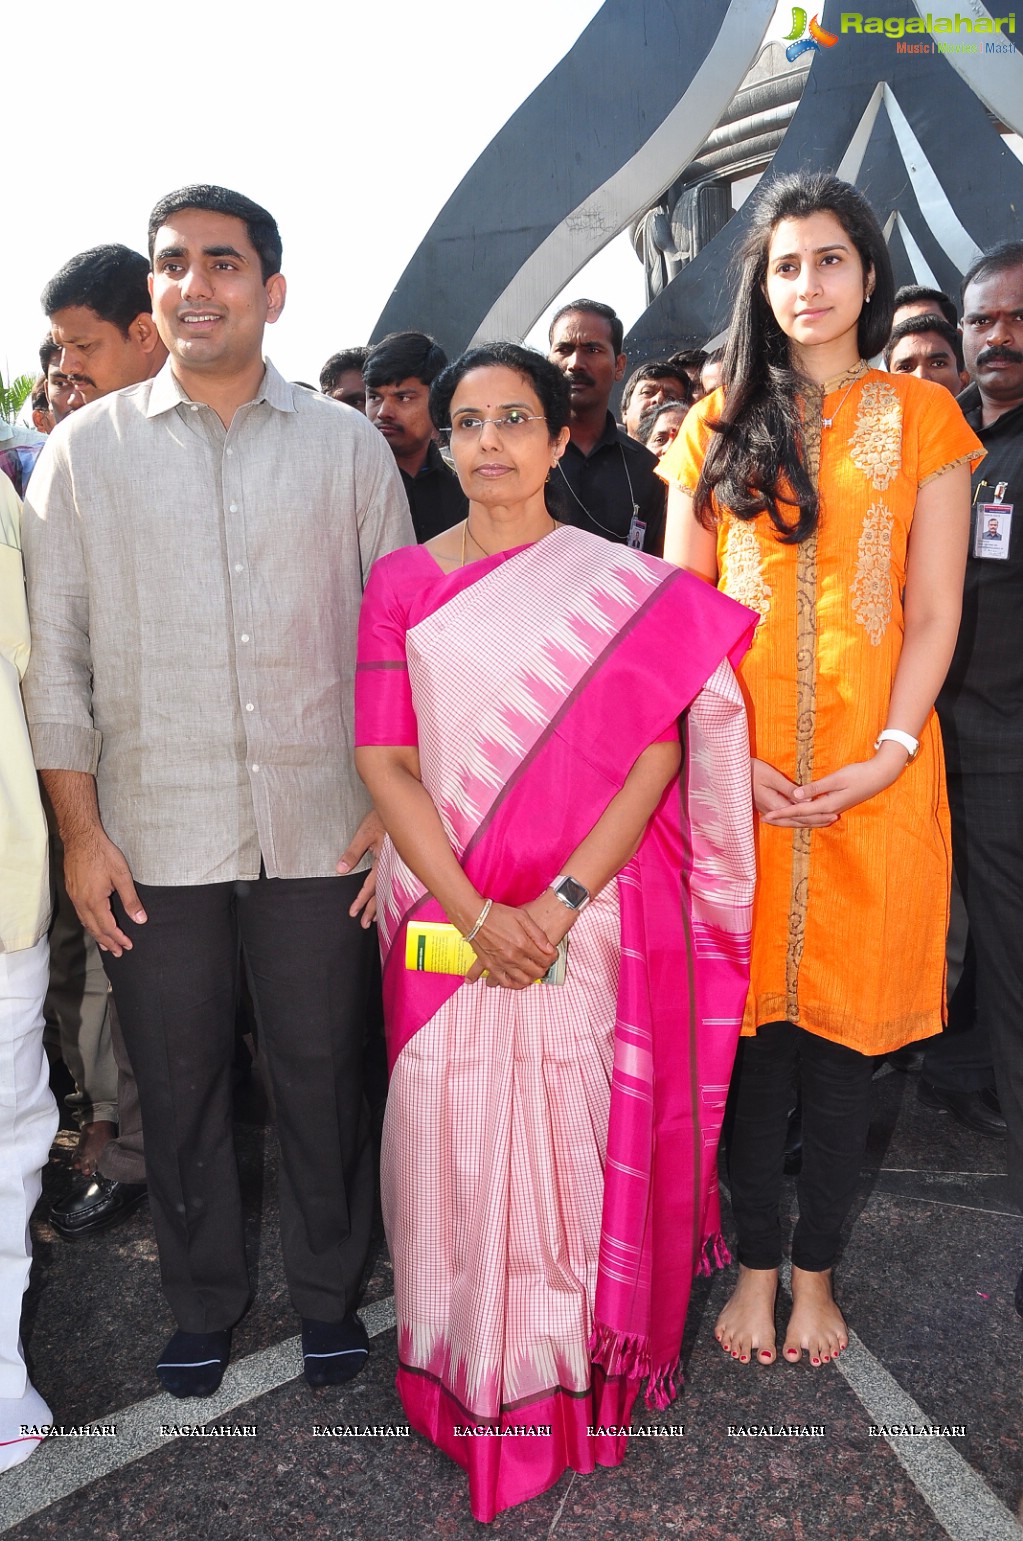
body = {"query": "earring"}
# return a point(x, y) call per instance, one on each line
point(866, 300)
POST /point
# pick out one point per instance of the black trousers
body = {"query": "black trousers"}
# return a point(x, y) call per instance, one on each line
point(987, 847)
point(836, 1093)
point(959, 1059)
point(309, 967)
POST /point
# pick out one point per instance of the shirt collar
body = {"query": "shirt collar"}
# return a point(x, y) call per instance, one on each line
point(434, 460)
point(14, 434)
point(972, 408)
point(611, 435)
point(167, 393)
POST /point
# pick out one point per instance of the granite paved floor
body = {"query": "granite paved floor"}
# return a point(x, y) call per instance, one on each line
point(926, 1283)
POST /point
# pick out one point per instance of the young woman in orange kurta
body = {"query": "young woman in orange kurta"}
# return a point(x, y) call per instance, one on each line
point(834, 500)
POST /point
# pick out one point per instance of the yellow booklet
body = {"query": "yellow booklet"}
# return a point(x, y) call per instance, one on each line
point(436, 947)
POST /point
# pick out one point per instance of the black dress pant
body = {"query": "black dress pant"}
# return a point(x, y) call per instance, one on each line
point(959, 1059)
point(835, 1084)
point(987, 847)
point(309, 966)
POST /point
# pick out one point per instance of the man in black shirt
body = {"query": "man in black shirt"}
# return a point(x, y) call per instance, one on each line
point(606, 480)
point(981, 703)
point(398, 374)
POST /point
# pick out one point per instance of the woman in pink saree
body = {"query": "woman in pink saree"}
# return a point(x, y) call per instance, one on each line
point(548, 1170)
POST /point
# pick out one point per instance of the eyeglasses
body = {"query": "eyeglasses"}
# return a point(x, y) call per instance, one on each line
point(513, 422)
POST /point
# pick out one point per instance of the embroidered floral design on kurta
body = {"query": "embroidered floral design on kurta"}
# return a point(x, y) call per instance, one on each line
point(876, 444)
point(876, 449)
point(872, 587)
point(806, 713)
point(743, 569)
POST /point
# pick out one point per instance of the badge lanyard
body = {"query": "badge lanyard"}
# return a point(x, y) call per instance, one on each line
point(637, 526)
point(993, 530)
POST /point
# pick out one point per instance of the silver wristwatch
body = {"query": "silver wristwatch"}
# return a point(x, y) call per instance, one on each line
point(572, 894)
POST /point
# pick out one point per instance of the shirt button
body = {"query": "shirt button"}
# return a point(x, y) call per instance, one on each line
point(195, 408)
point(238, 567)
point(245, 636)
point(249, 706)
point(255, 767)
point(232, 508)
point(229, 451)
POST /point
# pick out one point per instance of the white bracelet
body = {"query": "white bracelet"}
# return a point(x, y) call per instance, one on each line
point(481, 921)
point(910, 744)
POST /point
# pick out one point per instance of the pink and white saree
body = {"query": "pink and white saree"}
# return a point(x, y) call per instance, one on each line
point(549, 1166)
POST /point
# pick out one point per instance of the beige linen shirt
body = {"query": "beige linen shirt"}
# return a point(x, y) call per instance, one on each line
point(24, 873)
point(194, 594)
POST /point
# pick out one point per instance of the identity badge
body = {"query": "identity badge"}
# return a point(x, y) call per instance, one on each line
point(994, 529)
point(637, 531)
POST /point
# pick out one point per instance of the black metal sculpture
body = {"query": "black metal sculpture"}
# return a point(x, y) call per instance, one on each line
point(644, 125)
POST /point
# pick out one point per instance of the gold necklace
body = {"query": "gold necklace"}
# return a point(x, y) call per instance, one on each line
point(466, 531)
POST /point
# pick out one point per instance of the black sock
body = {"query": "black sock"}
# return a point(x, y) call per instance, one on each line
point(334, 1351)
point(193, 1363)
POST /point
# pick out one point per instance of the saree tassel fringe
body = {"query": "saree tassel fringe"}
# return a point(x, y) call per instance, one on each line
point(619, 1353)
point(714, 1255)
point(663, 1386)
point(628, 1354)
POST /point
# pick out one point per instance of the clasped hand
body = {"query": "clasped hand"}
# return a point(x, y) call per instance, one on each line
point(516, 945)
point(817, 804)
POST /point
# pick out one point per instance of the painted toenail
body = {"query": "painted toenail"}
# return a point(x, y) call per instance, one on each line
point(815, 1361)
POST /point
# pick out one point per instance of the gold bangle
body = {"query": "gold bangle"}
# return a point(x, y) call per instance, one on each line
point(480, 922)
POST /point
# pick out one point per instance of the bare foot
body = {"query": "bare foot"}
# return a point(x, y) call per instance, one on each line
point(93, 1140)
point(816, 1323)
point(747, 1321)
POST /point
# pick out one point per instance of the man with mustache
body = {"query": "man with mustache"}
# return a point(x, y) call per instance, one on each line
point(605, 480)
point(102, 339)
point(981, 703)
point(61, 391)
point(101, 319)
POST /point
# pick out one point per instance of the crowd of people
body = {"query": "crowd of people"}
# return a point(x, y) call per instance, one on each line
point(622, 765)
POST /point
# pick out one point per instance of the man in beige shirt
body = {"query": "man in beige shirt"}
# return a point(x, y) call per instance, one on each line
point(28, 1115)
point(196, 548)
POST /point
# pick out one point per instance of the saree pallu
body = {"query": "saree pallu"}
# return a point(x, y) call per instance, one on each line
point(549, 1166)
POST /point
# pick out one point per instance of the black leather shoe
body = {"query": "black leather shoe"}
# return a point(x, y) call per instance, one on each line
point(976, 1110)
point(93, 1203)
point(1017, 1299)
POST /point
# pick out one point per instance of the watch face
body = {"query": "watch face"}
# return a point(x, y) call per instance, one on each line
point(574, 892)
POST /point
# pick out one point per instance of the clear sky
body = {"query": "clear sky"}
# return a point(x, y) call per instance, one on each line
point(351, 122)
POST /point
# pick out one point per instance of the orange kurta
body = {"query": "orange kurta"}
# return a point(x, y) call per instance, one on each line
point(849, 921)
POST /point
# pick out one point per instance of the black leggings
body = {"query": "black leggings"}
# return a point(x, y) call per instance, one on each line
point(836, 1095)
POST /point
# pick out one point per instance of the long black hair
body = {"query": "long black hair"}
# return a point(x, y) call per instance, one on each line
point(758, 447)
